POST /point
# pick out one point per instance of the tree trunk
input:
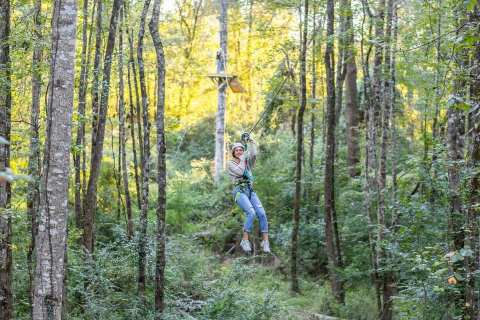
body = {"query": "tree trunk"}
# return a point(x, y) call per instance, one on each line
point(341, 66)
point(456, 144)
point(351, 108)
point(334, 259)
point(370, 151)
point(472, 263)
point(87, 222)
point(377, 81)
point(298, 168)
point(160, 236)
point(6, 298)
point(387, 275)
point(222, 93)
point(96, 70)
point(123, 136)
point(135, 118)
point(79, 141)
point(52, 223)
point(142, 242)
point(90, 200)
point(33, 197)
point(313, 92)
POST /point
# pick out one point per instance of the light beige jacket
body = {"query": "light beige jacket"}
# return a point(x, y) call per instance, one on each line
point(247, 162)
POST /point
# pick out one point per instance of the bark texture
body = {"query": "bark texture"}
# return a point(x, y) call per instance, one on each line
point(331, 233)
point(298, 167)
point(351, 95)
point(6, 302)
point(33, 197)
point(142, 250)
point(160, 236)
point(90, 201)
point(48, 296)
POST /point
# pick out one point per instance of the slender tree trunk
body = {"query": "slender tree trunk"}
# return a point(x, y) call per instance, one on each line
point(117, 175)
point(135, 118)
point(351, 108)
point(79, 153)
point(341, 65)
point(87, 222)
point(33, 197)
point(48, 296)
point(370, 151)
point(250, 63)
point(377, 81)
point(6, 297)
point(387, 275)
point(142, 243)
point(472, 233)
point(90, 200)
point(298, 168)
point(222, 92)
point(437, 75)
point(472, 263)
point(81, 114)
point(96, 69)
point(334, 259)
point(313, 91)
point(123, 136)
point(161, 165)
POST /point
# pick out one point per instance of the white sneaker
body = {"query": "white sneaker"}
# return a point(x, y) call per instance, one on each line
point(265, 246)
point(245, 244)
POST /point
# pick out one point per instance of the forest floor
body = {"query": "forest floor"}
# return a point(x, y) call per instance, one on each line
point(224, 286)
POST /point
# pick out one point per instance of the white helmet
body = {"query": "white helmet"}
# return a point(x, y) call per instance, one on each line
point(236, 145)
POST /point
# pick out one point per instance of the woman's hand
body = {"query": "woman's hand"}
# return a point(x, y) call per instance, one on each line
point(246, 137)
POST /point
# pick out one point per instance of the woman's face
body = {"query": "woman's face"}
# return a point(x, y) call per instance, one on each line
point(238, 152)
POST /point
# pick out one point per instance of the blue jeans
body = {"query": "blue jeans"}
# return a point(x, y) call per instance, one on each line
point(248, 201)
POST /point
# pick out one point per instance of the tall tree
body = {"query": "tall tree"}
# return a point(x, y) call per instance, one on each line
point(351, 96)
point(472, 262)
point(377, 80)
point(79, 149)
point(387, 275)
point(33, 198)
point(341, 62)
point(135, 116)
point(222, 92)
point(160, 236)
point(123, 136)
point(370, 186)
point(473, 212)
point(456, 146)
point(142, 243)
point(6, 304)
point(332, 244)
point(90, 200)
point(298, 167)
point(87, 224)
point(48, 296)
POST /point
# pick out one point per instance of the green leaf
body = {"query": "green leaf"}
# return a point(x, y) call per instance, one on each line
point(471, 4)
point(3, 140)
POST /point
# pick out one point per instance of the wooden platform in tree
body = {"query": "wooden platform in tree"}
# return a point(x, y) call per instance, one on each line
point(233, 81)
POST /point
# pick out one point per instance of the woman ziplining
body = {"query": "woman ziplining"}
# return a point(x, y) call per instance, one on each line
point(240, 170)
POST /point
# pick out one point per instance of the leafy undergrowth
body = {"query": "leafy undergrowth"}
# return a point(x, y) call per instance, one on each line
point(199, 285)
